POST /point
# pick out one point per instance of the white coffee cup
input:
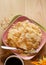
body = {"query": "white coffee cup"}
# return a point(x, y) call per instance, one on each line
point(13, 60)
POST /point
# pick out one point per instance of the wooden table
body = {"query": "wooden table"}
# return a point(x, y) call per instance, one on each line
point(34, 9)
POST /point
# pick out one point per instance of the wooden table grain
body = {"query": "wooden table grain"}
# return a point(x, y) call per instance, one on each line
point(34, 9)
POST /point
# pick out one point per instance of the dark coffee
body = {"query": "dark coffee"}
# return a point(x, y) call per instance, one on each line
point(14, 61)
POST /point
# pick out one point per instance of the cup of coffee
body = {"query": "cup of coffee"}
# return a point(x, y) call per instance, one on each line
point(13, 60)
